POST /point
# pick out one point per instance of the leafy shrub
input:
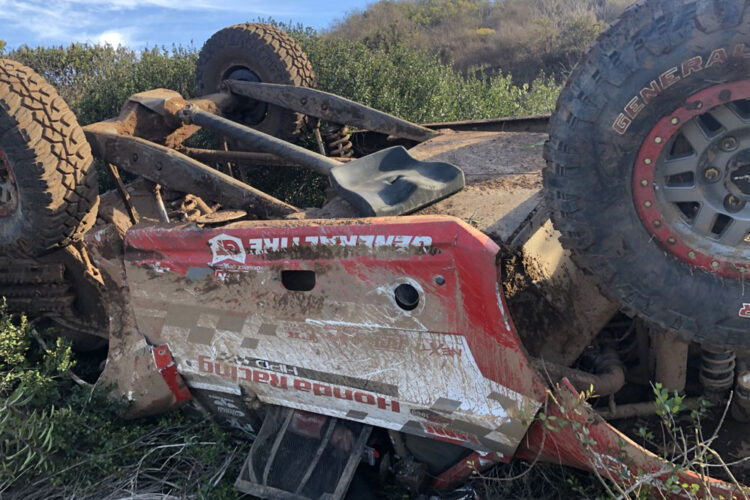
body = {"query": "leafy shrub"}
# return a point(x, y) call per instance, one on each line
point(415, 84)
point(522, 37)
point(59, 438)
point(96, 80)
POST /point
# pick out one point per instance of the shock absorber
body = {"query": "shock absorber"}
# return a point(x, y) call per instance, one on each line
point(717, 370)
point(338, 140)
point(741, 401)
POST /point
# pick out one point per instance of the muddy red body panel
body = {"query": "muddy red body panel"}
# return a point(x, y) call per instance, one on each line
point(305, 314)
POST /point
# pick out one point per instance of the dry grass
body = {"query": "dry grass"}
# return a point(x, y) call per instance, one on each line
point(521, 37)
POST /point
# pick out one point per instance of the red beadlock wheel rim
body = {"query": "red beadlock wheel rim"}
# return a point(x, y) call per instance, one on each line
point(691, 181)
point(8, 188)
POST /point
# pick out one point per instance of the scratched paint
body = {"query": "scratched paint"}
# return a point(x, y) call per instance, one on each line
point(348, 336)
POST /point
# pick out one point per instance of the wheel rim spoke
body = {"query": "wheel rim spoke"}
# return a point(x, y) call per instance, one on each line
point(679, 165)
point(5, 194)
point(695, 136)
point(681, 194)
point(727, 118)
point(704, 221)
point(8, 197)
point(736, 233)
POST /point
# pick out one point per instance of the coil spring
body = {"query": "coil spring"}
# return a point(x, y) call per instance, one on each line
point(338, 140)
point(717, 369)
point(620, 334)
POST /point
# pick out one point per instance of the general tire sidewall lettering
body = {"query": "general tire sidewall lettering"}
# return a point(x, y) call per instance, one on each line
point(589, 176)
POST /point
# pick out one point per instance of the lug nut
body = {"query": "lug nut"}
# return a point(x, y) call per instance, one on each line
point(729, 143)
point(711, 174)
point(733, 204)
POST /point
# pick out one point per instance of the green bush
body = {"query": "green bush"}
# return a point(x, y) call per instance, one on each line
point(96, 80)
point(59, 439)
point(522, 37)
point(415, 84)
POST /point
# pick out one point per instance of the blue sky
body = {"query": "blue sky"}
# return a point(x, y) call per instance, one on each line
point(139, 23)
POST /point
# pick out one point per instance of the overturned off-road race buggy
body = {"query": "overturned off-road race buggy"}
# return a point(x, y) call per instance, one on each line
point(457, 293)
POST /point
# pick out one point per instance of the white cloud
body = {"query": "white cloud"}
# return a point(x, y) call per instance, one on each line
point(113, 38)
point(111, 21)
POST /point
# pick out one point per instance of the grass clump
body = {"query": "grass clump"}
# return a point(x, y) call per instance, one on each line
point(61, 437)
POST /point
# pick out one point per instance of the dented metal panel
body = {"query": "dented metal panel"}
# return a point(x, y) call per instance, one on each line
point(230, 304)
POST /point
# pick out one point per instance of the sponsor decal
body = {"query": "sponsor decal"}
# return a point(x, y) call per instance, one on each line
point(345, 336)
point(231, 249)
point(265, 245)
point(228, 409)
point(442, 350)
point(687, 68)
point(385, 341)
point(226, 248)
point(285, 382)
point(307, 373)
point(745, 311)
point(447, 434)
point(429, 415)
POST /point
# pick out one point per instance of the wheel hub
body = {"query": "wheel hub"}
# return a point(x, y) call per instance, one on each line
point(691, 182)
point(8, 188)
point(252, 112)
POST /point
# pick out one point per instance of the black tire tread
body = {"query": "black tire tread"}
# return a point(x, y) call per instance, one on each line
point(647, 28)
point(51, 160)
point(291, 66)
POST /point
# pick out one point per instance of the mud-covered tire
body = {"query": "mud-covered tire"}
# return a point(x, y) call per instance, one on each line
point(597, 134)
point(46, 159)
point(272, 57)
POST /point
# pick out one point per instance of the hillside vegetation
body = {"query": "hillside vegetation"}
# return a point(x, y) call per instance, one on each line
point(520, 37)
point(411, 83)
point(424, 60)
